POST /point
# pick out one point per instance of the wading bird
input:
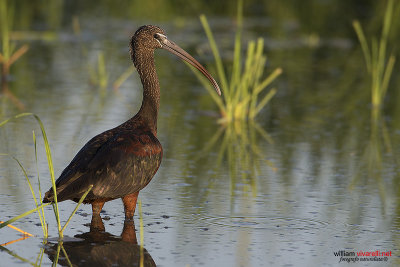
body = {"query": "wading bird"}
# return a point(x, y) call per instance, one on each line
point(123, 160)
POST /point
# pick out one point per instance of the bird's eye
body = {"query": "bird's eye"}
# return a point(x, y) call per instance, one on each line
point(158, 39)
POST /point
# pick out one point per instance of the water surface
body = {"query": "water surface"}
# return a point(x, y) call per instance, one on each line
point(321, 178)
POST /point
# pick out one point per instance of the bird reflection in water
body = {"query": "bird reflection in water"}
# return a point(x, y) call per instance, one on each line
point(99, 248)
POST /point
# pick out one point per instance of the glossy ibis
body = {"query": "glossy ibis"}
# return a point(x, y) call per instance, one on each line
point(123, 160)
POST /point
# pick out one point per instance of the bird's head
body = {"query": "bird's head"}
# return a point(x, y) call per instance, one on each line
point(147, 38)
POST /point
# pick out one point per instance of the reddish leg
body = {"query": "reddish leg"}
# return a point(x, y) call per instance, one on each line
point(128, 233)
point(97, 206)
point(97, 223)
point(130, 205)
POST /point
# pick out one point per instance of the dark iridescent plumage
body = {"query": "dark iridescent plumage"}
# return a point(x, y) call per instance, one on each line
point(122, 161)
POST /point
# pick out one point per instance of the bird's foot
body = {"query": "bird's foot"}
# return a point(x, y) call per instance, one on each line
point(129, 232)
point(97, 224)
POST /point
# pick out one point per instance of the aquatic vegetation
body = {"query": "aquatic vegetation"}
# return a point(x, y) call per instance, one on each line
point(378, 66)
point(9, 53)
point(380, 69)
point(98, 74)
point(123, 77)
point(241, 96)
point(244, 96)
point(238, 144)
point(39, 205)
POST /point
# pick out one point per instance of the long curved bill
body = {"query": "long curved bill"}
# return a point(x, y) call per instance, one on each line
point(176, 50)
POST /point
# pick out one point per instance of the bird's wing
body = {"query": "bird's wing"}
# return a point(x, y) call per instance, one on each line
point(82, 159)
point(78, 166)
point(116, 165)
point(125, 164)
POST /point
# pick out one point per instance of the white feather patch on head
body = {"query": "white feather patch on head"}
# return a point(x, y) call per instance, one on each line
point(161, 35)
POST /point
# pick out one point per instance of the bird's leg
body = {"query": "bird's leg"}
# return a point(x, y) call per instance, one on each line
point(129, 233)
point(97, 206)
point(97, 223)
point(130, 205)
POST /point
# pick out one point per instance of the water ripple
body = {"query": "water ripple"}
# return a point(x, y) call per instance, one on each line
point(264, 222)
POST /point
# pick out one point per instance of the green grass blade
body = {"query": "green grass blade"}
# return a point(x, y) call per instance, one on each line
point(263, 102)
point(123, 77)
point(387, 21)
point(5, 27)
point(30, 187)
point(364, 44)
point(15, 255)
point(267, 81)
point(39, 257)
point(211, 142)
point(27, 179)
point(235, 78)
point(42, 218)
point(19, 53)
point(262, 132)
point(66, 255)
point(206, 83)
point(217, 56)
point(76, 207)
point(375, 74)
point(15, 117)
point(102, 71)
point(242, 90)
point(49, 159)
point(387, 75)
point(55, 261)
point(51, 169)
point(259, 70)
point(259, 62)
point(22, 215)
point(33, 194)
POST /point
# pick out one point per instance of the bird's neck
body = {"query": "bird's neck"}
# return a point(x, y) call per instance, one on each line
point(151, 90)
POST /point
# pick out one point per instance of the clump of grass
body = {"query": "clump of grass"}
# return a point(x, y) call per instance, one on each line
point(378, 66)
point(39, 204)
point(241, 95)
point(9, 53)
point(98, 74)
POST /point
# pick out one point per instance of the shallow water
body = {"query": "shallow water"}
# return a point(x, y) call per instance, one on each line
point(317, 181)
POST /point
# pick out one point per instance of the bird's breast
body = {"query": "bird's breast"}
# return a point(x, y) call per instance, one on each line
point(142, 146)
